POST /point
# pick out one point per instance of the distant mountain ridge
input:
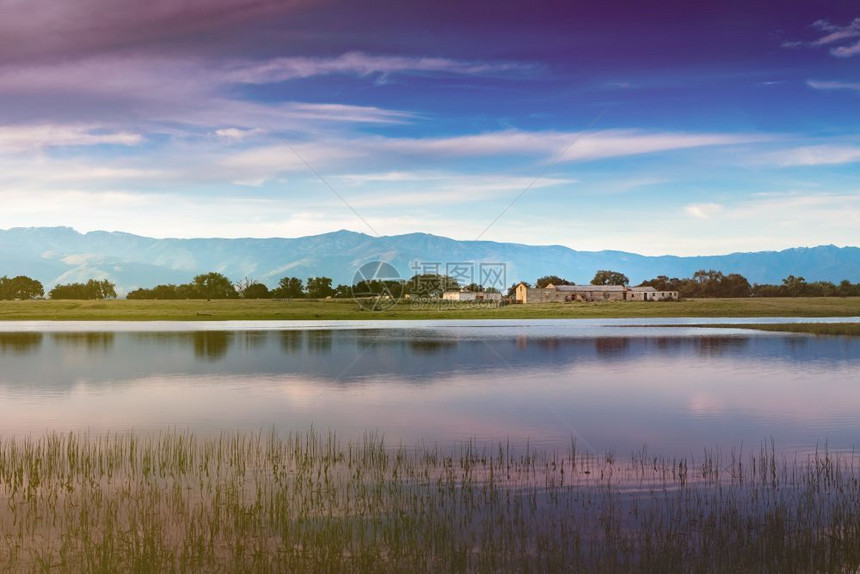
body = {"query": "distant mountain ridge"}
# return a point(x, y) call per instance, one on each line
point(61, 255)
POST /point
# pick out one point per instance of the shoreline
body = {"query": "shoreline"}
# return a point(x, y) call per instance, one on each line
point(339, 310)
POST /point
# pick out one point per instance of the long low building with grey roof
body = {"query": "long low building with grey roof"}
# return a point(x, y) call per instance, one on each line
point(569, 293)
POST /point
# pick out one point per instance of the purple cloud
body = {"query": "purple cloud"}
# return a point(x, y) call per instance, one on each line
point(52, 29)
point(834, 34)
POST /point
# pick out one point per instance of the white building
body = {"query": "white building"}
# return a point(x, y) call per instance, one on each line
point(470, 296)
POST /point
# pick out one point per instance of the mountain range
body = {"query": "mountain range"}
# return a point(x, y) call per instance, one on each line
point(62, 255)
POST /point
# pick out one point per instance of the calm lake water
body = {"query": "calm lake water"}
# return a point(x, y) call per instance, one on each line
point(614, 385)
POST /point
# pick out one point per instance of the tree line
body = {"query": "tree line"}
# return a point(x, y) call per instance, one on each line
point(20, 287)
point(712, 283)
point(218, 286)
point(23, 287)
point(703, 283)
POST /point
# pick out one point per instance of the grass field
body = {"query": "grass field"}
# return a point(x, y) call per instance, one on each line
point(312, 503)
point(228, 310)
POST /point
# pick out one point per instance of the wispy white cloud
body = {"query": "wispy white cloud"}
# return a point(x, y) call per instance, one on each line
point(814, 155)
point(238, 134)
point(831, 85)
point(591, 146)
point(703, 210)
point(834, 32)
point(395, 189)
point(361, 64)
point(846, 51)
point(34, 137)
point(158, 92)
point(778, 221)
point(359, 158)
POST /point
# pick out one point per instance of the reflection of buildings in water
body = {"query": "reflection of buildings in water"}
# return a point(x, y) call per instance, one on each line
point(211, 345)
point(91, 341)
point(19, 343)
point(291, 341)
point(667, 343)
point(430, 347)
point(715, 346)
point(548, 344)
point(611, 346)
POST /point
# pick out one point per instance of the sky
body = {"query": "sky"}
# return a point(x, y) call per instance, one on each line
point(670, 127)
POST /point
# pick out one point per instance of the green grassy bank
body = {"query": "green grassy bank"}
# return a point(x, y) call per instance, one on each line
point(312, 503)
point(239, 309)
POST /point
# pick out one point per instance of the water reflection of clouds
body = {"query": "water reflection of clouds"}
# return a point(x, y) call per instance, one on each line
point(672, 392)
point(347, 356)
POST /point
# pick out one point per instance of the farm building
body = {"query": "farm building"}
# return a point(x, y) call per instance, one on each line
point(566, 293)
point(650, 294)
point(470, 296)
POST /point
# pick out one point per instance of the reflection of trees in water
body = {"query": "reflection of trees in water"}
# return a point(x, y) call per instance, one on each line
point(668, 343)
point(92, 341)
point(611, 346)
point(714, 346)
point(430, 347)
point(291, 341)
point(796, 341)
point(320, 341)
point(250, 340)
point(19, 343)
point(211, 345)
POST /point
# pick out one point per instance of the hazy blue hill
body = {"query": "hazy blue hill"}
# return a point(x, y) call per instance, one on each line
point(60, 254)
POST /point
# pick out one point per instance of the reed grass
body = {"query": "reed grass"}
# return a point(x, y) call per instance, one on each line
point(177, 502)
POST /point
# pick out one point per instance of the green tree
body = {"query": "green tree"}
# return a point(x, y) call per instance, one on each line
point(606, 277)
point(20, 287)
point(551, 280)
point(795, 286)
point(846, 288)
point(735, 285)
point(103, 289)
point(92, 289)
point(214, 286)
point(376, 287)
point(256, 291)
point(319, 287)
point(663, 283)
point(289, 288)
point(430, 285)
point(343, 291)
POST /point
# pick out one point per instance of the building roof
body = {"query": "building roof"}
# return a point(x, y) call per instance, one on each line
point(647, 289)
